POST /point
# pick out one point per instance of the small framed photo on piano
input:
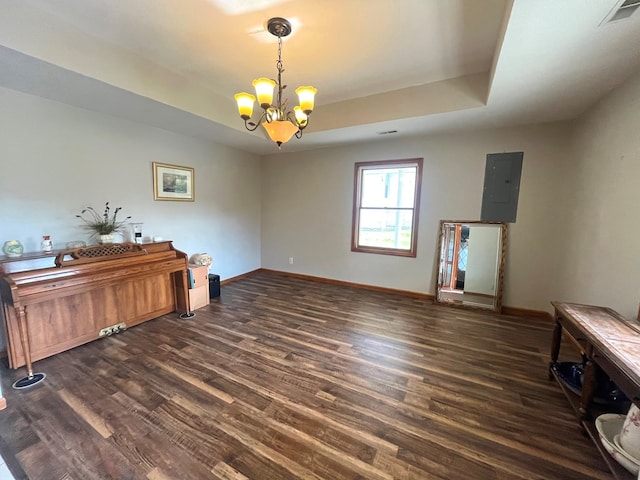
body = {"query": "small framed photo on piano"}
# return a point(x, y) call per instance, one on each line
point(173, 182)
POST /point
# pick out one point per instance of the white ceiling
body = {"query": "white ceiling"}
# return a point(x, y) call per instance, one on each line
point(415, 66)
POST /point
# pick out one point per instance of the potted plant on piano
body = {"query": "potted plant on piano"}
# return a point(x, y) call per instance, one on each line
point(103, 226)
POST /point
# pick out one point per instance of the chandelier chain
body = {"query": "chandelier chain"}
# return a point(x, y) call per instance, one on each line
point(279, 62)
point(280, 70)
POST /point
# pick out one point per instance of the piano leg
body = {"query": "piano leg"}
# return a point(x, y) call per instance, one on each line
point(32, 378)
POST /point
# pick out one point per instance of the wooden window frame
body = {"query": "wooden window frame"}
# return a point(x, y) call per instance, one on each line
point(455, 257)
point(357, 190)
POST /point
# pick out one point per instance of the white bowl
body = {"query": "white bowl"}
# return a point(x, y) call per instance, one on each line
point(608, 426)
point(630, 433)
point(623, 452)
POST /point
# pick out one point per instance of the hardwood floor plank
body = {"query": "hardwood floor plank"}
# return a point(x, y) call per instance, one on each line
point(196, 382)
point(413, 420)
point(272, 463)
point(314, 454)
point(44, 464)
point(223, 471)
point(285, 378)
point(312, 409)
point(94, 420)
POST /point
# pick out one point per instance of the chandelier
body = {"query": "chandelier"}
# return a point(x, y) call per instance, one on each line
point(281, 124)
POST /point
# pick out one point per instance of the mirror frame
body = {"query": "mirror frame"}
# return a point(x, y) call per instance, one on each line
point(497, 302)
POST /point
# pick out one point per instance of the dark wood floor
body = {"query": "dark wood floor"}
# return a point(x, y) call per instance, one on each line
point(285, 378)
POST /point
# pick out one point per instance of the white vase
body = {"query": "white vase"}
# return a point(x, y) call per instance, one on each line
point(107, 238)
point(46, 244)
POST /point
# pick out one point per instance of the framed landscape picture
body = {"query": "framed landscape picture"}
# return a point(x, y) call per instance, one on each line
point(173, 182)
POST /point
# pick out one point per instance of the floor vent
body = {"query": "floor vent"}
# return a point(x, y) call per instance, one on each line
point(388, 132)
point(622, 11)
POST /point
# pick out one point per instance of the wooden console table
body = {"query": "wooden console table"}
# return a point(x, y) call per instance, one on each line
point(608, 342)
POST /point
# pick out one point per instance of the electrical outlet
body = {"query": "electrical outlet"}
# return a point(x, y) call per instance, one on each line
point(290, 260)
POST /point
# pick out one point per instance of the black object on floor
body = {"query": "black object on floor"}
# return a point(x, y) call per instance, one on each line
point(29, 381)
point(214, 285)
point(607, 392)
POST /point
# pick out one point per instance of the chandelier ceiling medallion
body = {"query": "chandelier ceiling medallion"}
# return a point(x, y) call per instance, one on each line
point(281, 124)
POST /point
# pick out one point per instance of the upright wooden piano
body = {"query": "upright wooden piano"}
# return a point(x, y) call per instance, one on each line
point(54, 302)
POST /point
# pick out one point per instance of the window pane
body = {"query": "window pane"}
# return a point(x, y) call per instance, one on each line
point(447, 275)
point(385, 228)
point(452, 242)
point(388, 187)
point(386, 207)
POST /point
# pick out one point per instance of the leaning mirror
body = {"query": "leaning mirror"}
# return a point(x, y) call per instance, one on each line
point(471, 264)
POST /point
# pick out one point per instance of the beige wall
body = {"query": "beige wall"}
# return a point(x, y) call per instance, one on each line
point(573, 239)
point(55, 159)
point(577, 215)
point(307, 207)
point(600, 263)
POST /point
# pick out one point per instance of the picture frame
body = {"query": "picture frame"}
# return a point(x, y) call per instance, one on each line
point(173, 182)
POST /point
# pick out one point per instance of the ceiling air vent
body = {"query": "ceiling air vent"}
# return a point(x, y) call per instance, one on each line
point(622, 11)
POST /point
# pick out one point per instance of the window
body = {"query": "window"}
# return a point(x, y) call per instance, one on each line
point(385, 207)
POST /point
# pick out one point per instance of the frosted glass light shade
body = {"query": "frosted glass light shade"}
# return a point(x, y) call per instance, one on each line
point(301, 117)
point(306, 97)
point(264, 91)
point(280, 131)
point(245, 104)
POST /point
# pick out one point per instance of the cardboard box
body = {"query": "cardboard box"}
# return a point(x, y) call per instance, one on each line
point(198, 287)
point(198, 297)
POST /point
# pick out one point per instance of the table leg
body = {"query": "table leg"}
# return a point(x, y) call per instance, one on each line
point(31, 378)
point(555, 346)
point(589, 385)
point(24, 338)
